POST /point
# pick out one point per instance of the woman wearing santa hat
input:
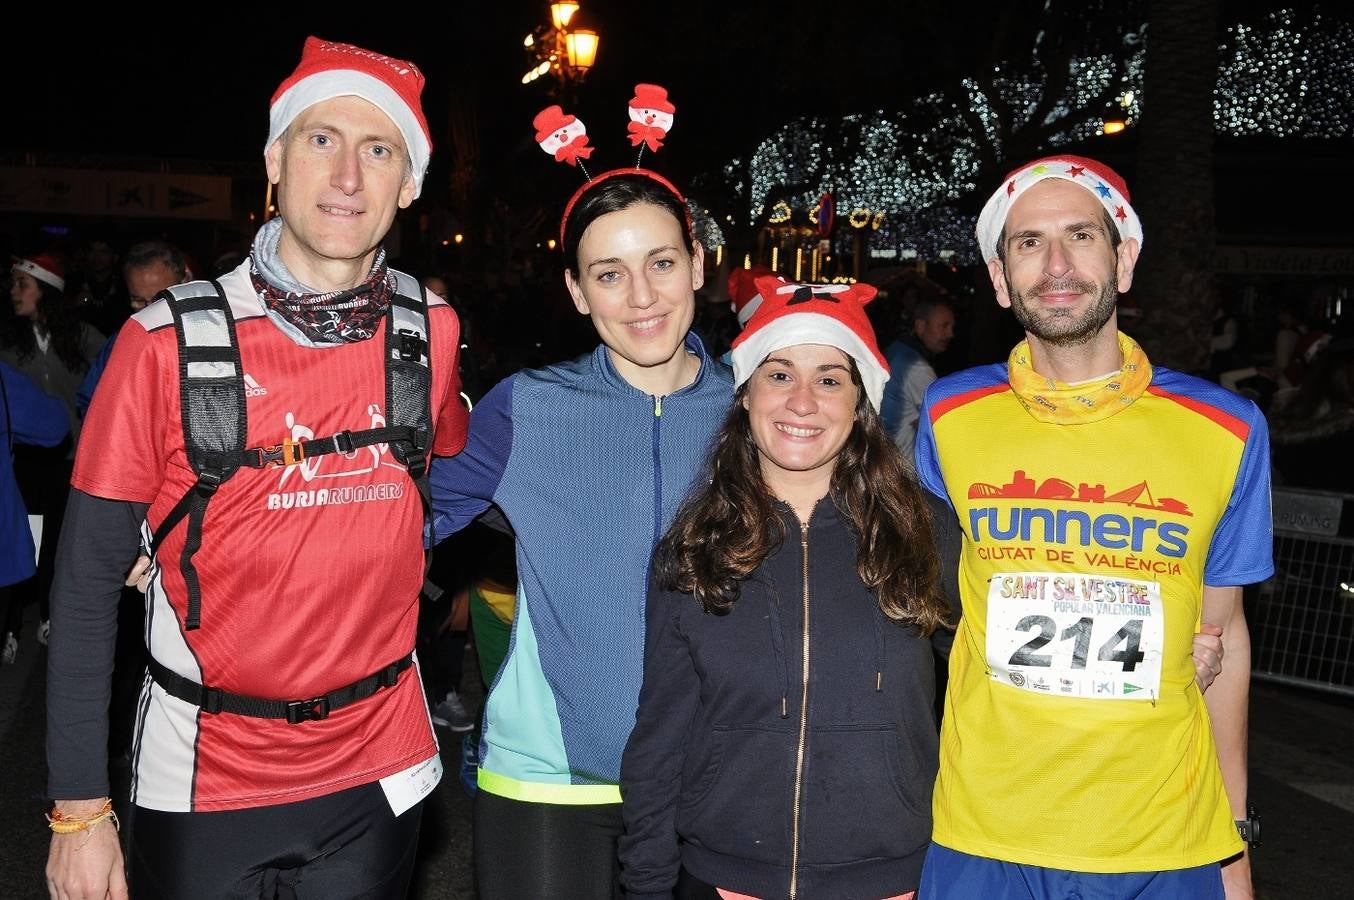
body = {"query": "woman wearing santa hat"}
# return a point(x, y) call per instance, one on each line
point(588, 460)
point(46, 341)
point(785, 743)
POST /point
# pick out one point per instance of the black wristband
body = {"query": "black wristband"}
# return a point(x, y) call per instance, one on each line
point(1249, 827)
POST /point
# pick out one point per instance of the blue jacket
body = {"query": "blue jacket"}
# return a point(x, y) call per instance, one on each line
point(589, 470)
point(27, 416)
point(902, 355)
point(85, 394)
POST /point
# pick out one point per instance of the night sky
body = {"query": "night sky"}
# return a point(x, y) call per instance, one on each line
point(150, 86)
point(155, 87)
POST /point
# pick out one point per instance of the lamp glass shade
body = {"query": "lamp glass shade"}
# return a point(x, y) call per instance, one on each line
point(561, 12)
point(582, 48)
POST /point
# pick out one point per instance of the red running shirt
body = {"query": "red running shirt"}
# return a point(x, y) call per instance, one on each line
point(310, 574)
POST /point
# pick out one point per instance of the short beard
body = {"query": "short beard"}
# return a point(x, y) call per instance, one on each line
point(1062, 327)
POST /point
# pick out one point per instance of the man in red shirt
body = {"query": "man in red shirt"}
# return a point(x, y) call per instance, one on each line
point(305, 584)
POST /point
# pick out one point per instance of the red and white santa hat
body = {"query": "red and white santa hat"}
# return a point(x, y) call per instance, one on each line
point(743, 296)
point(45, 268)
point(1102, 181)
point(829, 314)
point(652, 96)
point(330, 69)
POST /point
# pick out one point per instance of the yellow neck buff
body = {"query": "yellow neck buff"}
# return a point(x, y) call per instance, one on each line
point(1053, 401)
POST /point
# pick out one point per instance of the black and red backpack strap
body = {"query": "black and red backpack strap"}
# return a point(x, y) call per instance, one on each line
point(212, 406)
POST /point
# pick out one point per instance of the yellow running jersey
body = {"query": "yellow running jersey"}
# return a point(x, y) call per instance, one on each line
point(1074, 735)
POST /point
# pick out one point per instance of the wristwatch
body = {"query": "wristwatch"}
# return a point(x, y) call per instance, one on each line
point(1249, 827)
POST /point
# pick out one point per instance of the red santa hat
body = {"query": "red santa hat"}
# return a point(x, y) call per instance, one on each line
point(1103, 183)
point(830, 314)
point(743, 296)
point(329, 69)
point(45, 268)
point(652, 96)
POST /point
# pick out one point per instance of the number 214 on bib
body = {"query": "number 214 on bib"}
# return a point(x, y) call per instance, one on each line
point(1071, 635)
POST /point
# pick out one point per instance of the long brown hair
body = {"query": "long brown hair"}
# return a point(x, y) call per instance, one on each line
point(57, 316)
point(728, 525)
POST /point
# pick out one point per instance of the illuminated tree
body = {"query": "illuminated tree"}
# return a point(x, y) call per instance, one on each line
point(1285, 75)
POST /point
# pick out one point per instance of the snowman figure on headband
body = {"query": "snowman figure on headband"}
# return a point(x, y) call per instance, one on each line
point(650, 116)
point(563, 136)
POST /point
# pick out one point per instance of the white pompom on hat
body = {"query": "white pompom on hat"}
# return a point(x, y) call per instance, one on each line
point(331, 69)
point(828, 314)
point(1103, 183)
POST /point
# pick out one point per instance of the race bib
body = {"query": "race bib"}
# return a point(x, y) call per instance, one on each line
point(1067, 635)
point(407, 787)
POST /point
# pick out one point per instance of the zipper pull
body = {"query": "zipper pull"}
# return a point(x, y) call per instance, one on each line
point(657, 406)
point(784, 707)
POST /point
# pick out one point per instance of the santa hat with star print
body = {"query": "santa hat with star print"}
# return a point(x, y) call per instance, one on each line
point(330, 69)
point(829, 314)
point(1103, 183)
point(45, 268)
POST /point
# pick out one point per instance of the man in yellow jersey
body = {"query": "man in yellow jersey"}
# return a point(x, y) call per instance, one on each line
point(1109, 507)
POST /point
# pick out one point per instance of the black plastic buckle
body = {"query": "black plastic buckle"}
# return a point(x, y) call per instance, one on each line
point(211, 700)
point(287, 453)
point(411, 345)
point(299, 711)
point(343, 442)
point(265, 456)
point(208, 481)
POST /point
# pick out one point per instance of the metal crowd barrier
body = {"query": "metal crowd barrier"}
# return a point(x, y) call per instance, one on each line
point(1302, 620)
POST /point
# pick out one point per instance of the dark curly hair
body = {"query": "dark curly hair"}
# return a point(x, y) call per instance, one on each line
point(58, 317)
point(728, 525)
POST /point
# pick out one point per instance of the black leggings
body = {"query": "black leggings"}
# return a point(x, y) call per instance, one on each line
point(347, 844)
point(531, 850)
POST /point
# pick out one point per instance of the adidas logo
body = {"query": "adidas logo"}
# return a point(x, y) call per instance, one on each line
point(252, 388)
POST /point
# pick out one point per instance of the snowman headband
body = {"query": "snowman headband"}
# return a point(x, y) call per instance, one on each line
point(565, 137)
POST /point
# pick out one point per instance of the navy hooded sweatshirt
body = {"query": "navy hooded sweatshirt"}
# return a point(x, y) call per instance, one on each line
point(723, 745)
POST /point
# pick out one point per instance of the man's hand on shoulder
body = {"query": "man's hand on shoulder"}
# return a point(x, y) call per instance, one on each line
point(1207, 655)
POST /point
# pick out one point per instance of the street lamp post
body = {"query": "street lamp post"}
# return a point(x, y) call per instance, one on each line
point(565, 49)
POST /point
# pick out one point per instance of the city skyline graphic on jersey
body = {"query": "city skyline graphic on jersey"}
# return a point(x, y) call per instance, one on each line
point(1022, 487)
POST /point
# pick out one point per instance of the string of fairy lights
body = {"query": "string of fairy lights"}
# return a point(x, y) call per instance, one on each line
point(1290, 78)
point(900, 172)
